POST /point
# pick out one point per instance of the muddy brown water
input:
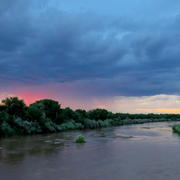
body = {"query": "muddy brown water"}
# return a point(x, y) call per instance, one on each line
point(135, 152)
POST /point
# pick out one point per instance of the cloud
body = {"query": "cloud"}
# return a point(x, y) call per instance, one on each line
point(97, 55)
point(162, 103)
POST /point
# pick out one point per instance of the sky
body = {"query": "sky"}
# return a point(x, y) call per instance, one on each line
point(121, 55)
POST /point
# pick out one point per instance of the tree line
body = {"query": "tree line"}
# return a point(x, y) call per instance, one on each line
point(47, 116)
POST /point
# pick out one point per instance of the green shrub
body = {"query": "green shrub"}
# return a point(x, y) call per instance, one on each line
point(105, 123)
point(90, 124)
point(80, 139)
point(70, 125)
point(176, 128)
point(7, 130)
point(98, 114)
point(48, 126)
point(46, 116)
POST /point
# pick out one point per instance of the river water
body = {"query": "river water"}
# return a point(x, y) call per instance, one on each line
point(135, 152)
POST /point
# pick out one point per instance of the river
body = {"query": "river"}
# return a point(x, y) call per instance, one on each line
point(135, 152)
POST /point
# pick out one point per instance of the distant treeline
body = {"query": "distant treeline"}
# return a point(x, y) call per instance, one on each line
point(46, 116)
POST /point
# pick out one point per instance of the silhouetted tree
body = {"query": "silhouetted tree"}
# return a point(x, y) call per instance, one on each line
point(98, 114)
point(14, 106)
point(49, 109)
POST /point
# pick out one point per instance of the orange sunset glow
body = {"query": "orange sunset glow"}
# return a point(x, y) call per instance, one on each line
point(89, 90)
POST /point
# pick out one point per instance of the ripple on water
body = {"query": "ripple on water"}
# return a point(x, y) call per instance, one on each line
point(146, 151)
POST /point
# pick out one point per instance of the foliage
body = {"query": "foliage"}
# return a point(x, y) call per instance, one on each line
point(70, 125)
point(49, 108)
point(34, 113)
point(80, 139)
point(47, 116)
point(98, 114)
point(14, 106)
point(176, 128)
point(26, 127)
point(66, 114)
point(6, 130)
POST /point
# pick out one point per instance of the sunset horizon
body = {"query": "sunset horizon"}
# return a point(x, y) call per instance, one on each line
point(89, 89)
point(89, 56)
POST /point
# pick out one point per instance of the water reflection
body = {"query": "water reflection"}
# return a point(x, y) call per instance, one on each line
point(137, 152)
point(15, 149)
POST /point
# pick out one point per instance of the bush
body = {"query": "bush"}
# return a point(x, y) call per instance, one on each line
point(14, 106)
point(98, 114)
point(80, 139)
point(47, 107)
point(47, 125)
point(70, 125)
point(7, 130)
point(46, 116)
point(176, 128)
point(90, 124)
point(26, 127)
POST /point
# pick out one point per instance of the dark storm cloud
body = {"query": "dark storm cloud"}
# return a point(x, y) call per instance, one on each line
point(117, 56)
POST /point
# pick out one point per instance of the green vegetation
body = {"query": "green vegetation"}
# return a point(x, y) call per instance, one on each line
point(47, 116)
point(80, 139)
point(176, 128)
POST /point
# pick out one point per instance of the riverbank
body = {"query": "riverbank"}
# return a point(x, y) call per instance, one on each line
point(138, 152)
point(28, 128)
point(47, 116)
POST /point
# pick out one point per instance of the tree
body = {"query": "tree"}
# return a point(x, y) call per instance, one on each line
point(49, 109)
point(81, 113)
point(34, 113)
point(98, 114)
point(67, 114)
point(14, 106)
